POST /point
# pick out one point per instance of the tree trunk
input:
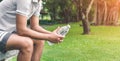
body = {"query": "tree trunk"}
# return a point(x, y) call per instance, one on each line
point(95, 13)
point(105, 13)
point(85, 22)
point(86, 26)
point(83, 13)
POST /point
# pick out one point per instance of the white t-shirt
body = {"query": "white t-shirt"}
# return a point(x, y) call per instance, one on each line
point(9, 9)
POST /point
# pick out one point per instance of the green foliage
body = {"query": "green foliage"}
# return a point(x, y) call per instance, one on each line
point(60, 10)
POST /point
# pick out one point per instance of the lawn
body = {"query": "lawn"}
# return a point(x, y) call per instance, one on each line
point(103, 44)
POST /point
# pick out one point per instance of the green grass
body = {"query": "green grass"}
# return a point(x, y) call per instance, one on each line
point(103, 44)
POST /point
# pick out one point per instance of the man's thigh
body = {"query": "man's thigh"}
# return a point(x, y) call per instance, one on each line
point(17, 42)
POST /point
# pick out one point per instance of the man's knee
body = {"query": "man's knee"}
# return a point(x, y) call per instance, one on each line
point(27, 44)
point(39, 42)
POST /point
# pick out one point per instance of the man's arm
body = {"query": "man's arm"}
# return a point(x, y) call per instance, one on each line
point(23, 30)
point(34, 23)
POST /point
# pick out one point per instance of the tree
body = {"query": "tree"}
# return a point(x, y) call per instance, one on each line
point(84, 7)
point(66, 11)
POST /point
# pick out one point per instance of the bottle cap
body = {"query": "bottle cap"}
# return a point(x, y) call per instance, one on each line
point(69, 26)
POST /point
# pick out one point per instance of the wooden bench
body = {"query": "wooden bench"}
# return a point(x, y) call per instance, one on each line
point(8, 54)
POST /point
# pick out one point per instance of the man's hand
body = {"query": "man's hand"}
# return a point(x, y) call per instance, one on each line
point(54, 37)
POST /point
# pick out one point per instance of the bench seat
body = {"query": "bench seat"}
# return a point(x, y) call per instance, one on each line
point(8, 54)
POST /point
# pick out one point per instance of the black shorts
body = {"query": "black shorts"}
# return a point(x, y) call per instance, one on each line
point(3, 40)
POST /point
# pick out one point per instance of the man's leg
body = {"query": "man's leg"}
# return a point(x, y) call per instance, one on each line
point(24, 44)
point(38, 48)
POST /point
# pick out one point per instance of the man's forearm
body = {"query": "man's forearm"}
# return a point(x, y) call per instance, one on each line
point(41, 29)
point(34, 24)
point(33, 34)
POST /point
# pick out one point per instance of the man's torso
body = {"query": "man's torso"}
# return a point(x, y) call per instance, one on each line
point(8, 11)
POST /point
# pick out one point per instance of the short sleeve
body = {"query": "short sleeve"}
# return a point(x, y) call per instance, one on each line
point(23, 7)
point(37, 12)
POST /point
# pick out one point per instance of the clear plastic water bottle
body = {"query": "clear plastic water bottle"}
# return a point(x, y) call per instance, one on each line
point(62, 31)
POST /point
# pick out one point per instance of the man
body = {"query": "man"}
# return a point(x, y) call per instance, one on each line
point(14, 33)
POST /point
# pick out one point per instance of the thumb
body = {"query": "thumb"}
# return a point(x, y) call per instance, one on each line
point(57, 29)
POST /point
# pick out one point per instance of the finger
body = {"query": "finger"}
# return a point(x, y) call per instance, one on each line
point(60, 40)
point(58, 28)
point(60, 36)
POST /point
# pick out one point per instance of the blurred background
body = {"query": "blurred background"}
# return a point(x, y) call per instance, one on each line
point(87, 12)
point(94, 34)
